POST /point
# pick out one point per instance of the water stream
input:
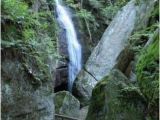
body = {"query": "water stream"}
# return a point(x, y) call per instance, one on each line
point(74, 47)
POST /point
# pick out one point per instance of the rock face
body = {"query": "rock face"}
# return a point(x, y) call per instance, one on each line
point(62, 67)
point(108, 102)
point(66, 104)
point(61, 78)
point(24, 97)
point(105, 55)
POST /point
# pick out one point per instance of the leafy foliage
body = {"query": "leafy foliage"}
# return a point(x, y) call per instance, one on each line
point(148, 74)
point(84, 14)
point(72, 4)
point(14, 9)
point(32, 33)
point(109, 11)
point(139, 38)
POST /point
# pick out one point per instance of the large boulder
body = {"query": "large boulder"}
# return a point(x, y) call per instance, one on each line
point(66, 104)
point(105, 55)
point(109, 102)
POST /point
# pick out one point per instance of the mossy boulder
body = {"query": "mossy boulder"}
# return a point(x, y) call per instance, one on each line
point(66, 104)
point(108, 101)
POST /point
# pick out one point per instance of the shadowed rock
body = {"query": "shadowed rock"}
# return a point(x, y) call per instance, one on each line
point(66, 104)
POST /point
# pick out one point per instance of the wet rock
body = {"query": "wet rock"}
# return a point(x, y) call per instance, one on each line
point(109, 103)
point(62, 66)
point(61, 76)
point(66, 104)
point(62, 43)
point(82, 87)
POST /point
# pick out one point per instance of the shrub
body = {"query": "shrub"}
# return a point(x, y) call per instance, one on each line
point(148, 74)
point(14, 9)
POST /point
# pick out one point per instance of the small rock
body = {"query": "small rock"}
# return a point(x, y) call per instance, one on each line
point(82, 87)
point(66, 104)
point(83, 113)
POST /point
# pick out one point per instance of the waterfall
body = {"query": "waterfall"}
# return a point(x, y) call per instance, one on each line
point(74, 48)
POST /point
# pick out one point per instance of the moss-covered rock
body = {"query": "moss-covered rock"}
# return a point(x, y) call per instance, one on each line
point(108, 103)
point(28, 60)
point(66, 104)
point(24, 97)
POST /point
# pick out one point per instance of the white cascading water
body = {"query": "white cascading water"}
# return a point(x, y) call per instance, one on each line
point(74, 48)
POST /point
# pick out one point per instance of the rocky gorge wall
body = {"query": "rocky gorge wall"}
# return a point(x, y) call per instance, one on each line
point(29, 60)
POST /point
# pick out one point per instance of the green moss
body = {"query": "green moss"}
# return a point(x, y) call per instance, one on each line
point(148, 74)
point(14, 9)
point(140, 37)
point(59, 100)
point(34, 34)
point(29, 34)
point(108, 102)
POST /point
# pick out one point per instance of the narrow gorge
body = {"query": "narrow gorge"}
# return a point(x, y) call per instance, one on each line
point(80, 60)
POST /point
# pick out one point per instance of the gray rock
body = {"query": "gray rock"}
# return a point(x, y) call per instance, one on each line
point(105, 55)
point(83, 86)
point(108, 101)
point(66, 104)
point(24, 97)
point(83, 112)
